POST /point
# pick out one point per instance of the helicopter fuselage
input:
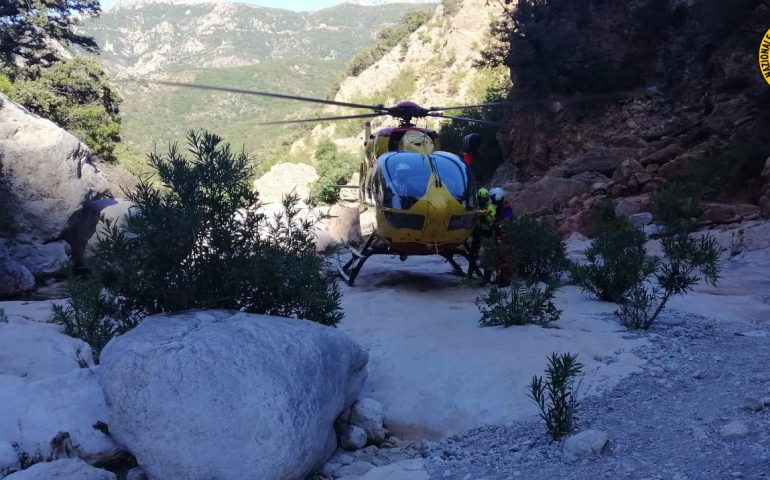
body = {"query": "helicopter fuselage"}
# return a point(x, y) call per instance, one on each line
point(416, 199)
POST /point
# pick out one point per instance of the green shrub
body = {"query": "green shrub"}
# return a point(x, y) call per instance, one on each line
point(616, 262)
point(677, 204)
point(78, 96)
point(687, 261)
point(199, 243)
point(532, 248)
point(387, 39)
point(556, 397)
point(523, 303)
point(90, 315)
point(334, 168)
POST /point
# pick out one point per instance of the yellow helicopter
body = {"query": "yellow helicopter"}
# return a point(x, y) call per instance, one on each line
point(414, 198)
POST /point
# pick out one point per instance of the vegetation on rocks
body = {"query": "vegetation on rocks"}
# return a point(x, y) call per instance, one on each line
point(334, 168)
point(78, 96)
point(197, 241)
point(556, 396)
point(387, 39)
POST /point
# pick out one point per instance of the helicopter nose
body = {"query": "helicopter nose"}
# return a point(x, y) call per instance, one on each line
point(437, 216)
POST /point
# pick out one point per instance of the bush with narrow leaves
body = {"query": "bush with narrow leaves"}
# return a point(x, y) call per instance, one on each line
point(556, 396)
point(532, 248)
point(199, 242)
point(91, 314)
point(523, 303)
point(616, 262)
point(687, 261)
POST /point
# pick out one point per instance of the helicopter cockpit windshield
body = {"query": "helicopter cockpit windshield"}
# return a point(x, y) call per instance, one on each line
point(406, 177)
point(454, 174)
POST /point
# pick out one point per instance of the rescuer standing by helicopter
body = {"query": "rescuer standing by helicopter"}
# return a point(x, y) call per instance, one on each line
point(482, 232)
point(503, 215)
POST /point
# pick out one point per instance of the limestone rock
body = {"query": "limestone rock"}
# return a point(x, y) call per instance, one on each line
point(734, 429)
point(9, 459)
point(585, 444)
point(15, 278)
point(639, 220)
point(215, 394)
point(84, 227)
point(284, 178)
point(70, 403)
point(663, 155)
point(41, 260)
point(367, 414)
point(136, 473)
point(546, 195)
point(68, 469)
point(343, 225)
point(413, 469)
point(352, 437)
point(49, 172)
point(35, 351)
point(604, 161)
point(752, 404)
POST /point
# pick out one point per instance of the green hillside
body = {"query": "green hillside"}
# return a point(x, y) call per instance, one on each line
point(232, 45)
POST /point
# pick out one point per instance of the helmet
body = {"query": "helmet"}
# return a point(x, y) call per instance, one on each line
point(483, 193)
point(497, 194)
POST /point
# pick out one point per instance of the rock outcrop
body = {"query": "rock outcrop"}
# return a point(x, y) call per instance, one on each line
point(65, 469)
point(85, 226)
point(214, 394)
point(707, 120)
point(49, 172)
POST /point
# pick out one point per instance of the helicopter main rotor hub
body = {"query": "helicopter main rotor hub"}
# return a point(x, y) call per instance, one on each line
point(406, 111)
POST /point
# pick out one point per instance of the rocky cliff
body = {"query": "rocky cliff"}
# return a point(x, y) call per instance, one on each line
point(696, 130)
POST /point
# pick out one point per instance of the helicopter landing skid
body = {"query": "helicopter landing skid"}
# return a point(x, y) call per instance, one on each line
point(473, 268)
point(350, 270)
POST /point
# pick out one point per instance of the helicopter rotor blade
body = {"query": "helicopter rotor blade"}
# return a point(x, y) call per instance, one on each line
point(323, 119)
point(463, 119)
point(461, 107)
point(267, 94)
point(599, 97)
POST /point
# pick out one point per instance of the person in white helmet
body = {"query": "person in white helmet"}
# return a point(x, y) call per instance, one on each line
point(503, 210)
point(503, 214)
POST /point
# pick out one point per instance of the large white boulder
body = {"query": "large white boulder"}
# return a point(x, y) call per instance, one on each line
point(32, 414)
point(215, 394)
point(15, 278)
point(41, 259)
point(34, 351)
point(66, 469)
point(49, 172)
point(284, 178)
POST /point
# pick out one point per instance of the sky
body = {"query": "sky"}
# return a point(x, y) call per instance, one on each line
point(297, 5)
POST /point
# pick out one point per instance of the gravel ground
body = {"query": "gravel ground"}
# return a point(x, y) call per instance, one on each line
point(664, 422)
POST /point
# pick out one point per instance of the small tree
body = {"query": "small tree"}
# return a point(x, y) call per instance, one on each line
point(687, 261)
point(91, 315)
point(532, 248)
point(617, 261)
point(199, 242)
point(30, 26)
point(556, 397)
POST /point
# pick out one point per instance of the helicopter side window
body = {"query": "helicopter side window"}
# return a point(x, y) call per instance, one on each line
point(457, 178)
point(407, 176)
